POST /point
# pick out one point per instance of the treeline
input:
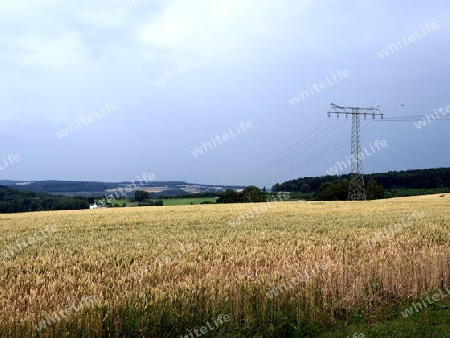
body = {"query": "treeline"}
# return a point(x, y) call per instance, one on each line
point(338, 191)
point(409, 179)
point(143, 199)
point(151, 203)
point(13, 201)
point(251, 194)
point(63, 187)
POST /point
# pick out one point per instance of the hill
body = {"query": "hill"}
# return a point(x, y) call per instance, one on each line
point(438, 178)
point(97, 189)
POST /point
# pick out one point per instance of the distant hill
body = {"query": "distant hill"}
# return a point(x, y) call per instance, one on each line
point(97, 189)
point(408, 179)
point(14, 200)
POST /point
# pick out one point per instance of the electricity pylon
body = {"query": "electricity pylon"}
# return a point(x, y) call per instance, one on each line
point(356, 190)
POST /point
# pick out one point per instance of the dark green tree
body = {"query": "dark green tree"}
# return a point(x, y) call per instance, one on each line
point(374, 191)
point(229, 196)
point(141, 195)
point(332, 191)
point(306, 188)
point(252, 194)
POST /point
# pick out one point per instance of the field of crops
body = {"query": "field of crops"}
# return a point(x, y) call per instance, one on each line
point(171, 271)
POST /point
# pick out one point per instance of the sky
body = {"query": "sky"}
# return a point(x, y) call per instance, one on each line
point(219, 92)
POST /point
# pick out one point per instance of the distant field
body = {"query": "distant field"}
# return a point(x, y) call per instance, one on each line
point(171, 201)
point(119, 202)
point(187, 201)
point(291, 269)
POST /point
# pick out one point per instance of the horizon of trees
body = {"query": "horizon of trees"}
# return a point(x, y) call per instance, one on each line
point(407, 179)
point(338, 191)
point(14, 201)
point(250, 194)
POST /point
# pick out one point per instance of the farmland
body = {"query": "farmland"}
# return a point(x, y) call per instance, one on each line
point(169, 201)
point(188, 201)
point(156, 272)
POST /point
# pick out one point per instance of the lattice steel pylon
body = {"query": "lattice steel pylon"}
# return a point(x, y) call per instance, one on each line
point(356, 190)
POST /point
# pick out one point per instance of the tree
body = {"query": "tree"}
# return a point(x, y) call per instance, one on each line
point(151, 203)
point(229, 196)
point(332, 191)
point(141, 195)
point(306, 188)
point(374, 191)
point(252, 194)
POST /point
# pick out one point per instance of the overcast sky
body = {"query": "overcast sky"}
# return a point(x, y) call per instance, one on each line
point(137, 86)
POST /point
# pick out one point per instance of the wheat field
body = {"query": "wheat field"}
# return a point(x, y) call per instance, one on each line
point(164, 271)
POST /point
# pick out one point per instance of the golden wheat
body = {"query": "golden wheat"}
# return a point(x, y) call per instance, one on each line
point(96, 253)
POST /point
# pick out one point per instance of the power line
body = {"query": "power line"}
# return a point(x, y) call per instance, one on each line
point(310, 137)
point(315, 158)
point(412, 99)
point(399, 119)
point(356, 190)
point(317, 135)
point(295, 149)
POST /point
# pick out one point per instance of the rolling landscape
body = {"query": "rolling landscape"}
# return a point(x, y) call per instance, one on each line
point(96, 189)
point(200, 169)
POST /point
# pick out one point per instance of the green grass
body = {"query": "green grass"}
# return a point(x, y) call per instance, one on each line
point(433, 321)
point(187, 201)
